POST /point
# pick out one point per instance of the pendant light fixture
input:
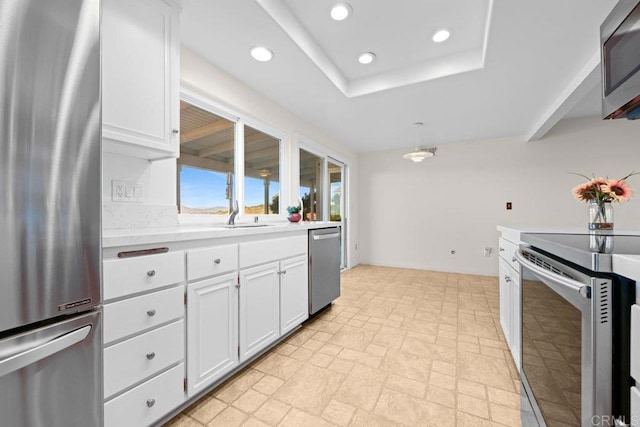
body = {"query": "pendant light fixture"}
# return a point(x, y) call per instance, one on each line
point(419, 154)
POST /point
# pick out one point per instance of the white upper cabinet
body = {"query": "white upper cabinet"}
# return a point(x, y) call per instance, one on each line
point(140, 78)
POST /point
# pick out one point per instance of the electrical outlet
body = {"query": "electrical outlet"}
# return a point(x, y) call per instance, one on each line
point(509, 206)
point(487, 252)
point(124, 191)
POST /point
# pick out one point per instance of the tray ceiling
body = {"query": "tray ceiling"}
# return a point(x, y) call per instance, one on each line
point(522, 57)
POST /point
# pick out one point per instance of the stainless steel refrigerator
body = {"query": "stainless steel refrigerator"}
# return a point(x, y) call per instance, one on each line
point(50, 187)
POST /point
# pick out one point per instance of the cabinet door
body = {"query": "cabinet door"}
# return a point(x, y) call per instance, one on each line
point(212, 330)
point(505, 299)
point(259, 308)
point(140, 63)
point(516, 318)
point(294, 293)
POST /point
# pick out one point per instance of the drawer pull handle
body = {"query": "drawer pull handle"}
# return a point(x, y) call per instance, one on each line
point(151, 355)
point(507, 279)
point(217, 261)
point(176, 131)
point(151, 312)
point(501, 249)
point(513, 259)
point(282, 272)
point(151, 402)
point(151, 273)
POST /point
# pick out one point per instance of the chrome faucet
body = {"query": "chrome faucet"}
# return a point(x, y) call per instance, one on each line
point(232, 216)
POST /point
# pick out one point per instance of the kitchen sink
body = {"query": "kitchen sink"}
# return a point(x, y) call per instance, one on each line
point(244, 225)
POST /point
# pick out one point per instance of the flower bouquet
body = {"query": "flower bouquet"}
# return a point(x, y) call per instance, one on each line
point(599, 193)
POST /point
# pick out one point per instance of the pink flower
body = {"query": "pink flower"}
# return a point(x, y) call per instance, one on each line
point(620, 189)
point(584, 192)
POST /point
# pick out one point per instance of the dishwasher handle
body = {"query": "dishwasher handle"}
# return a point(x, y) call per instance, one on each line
point(566, 282)
point(326, 236)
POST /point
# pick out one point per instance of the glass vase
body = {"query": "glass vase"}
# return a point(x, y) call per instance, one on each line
point(600, 215)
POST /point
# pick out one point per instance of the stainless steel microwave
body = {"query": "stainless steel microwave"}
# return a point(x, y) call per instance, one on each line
point(620, 50)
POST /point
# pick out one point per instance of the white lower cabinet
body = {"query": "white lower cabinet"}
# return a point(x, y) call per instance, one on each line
point(147, 403)
point(294, 293)
point(140, 357)
point(510, 309)
point(144, 335)
point(259, 308)
point(505, 300)
point(240, 298)
point(212, 330)
point(128, 317)
point(516, 320)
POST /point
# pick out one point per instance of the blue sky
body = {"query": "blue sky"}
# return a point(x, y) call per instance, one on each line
point(200, 188)
point(254, 191)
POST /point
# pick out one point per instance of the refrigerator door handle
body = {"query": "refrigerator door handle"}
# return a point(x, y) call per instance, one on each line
point(28, 357)
point(325, 236)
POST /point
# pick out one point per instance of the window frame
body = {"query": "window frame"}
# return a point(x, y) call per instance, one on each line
point(281, 136)
point(309, 145)
point(197, 98)
point(324, 177)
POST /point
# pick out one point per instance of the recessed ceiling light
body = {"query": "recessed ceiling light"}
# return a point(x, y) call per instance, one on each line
point(441, 35)
point(261, 54)
point(366, 58)
point(340, 11)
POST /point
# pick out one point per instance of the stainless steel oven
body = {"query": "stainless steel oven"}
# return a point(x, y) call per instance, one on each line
point(575, 337)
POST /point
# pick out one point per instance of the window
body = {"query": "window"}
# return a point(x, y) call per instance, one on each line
point(311, 179)
point(206, 176)
point(261, 173)
point(335, 190)
point(323, 189)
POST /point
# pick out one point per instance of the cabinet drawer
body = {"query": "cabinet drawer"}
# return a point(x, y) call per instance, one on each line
point(134, 315)
point(211, 261)
point(133, 275)
point(507, 250)
point(147, 403)
point(635, 342)
point(137, 358)
point(263, 251)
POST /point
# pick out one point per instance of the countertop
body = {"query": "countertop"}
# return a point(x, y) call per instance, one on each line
point(152, 235)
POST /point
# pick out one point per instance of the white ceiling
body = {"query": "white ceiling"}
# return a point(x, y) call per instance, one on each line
point(519, 56)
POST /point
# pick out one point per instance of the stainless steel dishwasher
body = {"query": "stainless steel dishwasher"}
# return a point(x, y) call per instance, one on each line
point(324, 267)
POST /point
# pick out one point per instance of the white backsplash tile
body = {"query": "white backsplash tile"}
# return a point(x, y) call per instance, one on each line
point(117, 216)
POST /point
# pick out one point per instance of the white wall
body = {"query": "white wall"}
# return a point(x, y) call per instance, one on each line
point(158, 177)
point(413, 215)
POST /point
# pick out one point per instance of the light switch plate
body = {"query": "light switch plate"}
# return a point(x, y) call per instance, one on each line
point(125, 191)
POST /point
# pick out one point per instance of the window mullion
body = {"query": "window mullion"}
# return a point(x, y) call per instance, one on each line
point(239, 166)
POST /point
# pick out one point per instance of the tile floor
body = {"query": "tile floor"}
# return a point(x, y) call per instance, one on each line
point(399, 347)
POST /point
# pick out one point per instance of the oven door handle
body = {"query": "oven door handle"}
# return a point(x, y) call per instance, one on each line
point(581, 288)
